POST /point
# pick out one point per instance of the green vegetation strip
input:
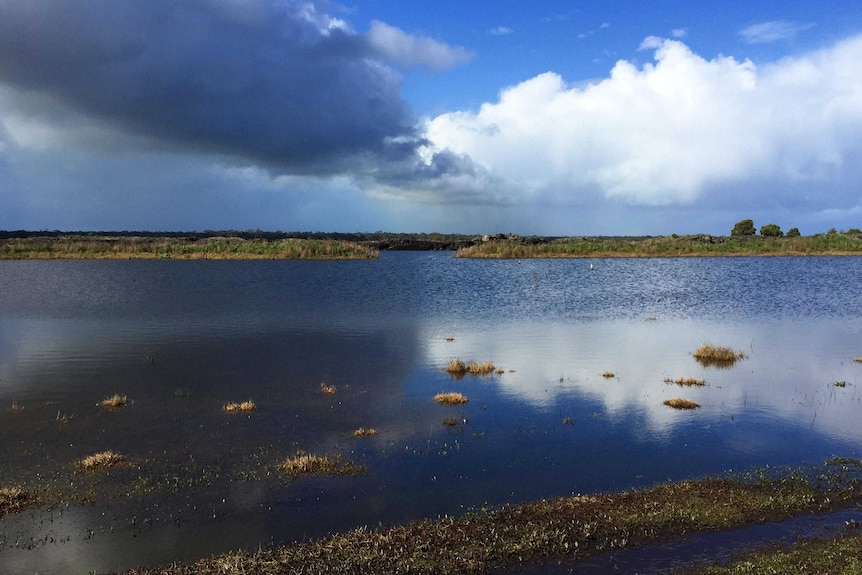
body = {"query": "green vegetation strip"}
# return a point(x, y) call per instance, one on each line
point(666, 246)
point(106, 247)
point(566, 528)
point(837, 556)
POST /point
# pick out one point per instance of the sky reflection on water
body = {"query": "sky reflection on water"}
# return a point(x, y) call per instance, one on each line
point(181, 339)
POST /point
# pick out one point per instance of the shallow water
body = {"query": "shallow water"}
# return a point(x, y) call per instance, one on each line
point(180, 339)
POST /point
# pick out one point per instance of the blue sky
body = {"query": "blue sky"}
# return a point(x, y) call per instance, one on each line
point(548, 118)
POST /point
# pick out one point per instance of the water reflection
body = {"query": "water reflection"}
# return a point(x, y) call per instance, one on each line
point(181, 340)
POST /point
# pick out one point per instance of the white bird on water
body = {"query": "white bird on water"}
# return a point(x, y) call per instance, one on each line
point(591, 266)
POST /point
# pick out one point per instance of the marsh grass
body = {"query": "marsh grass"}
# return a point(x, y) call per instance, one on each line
point(303, 463)
point(608, 374)
point(840, 555)
point(710, 355)
point(236, 407)
point(114, 402)
point(327, 389)
point(451, 398)
point(685, 381)
point(457, 368)
point(858, 360)
point(15, 407)
point(680, 403)
point(451, 421)
point(63, 418)
point(365, 432)
point(100, 461)
point(13, 499)
point(563, 529)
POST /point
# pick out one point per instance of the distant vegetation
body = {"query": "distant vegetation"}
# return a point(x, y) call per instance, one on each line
point(515, 247)
point(114, 247)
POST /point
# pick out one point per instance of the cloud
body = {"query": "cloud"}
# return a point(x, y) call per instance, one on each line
point(500, 31)
point(407, 50)
point(772, 31)
point(679, 32)
point(280, 83)
point(676, 131)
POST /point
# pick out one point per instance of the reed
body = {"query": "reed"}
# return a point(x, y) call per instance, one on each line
point(451, 398)
point(711, 355)
point(685, 381)
point(114, 402)
point(680, 403)
point(456, 367)
point(365, 432)
point(327, 389)
point(235, 407)
point(103, 460)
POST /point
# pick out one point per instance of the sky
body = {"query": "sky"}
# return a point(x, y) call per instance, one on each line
point(609, 117)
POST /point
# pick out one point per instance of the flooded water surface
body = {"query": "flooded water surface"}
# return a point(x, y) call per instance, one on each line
point(574, 406)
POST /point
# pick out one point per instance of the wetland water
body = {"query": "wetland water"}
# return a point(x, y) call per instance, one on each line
point(180, 339)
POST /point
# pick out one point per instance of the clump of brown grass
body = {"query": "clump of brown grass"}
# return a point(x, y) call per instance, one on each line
point(451, 398)
point(16, 407)
point(483, 368)
point(708, 355)
point(103, 460)
point(308, 464)
point(364, 432)
point(500, 371)
point(680, 403)
point(858, 360)
point(327, 389)
point(685, 381)
point(235, 407)
point(450, 338)
point(13, 499)
point(114, 402)
point(608, 374)
point(456, 367)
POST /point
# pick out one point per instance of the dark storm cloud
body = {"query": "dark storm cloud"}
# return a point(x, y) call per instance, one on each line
point(279, 83)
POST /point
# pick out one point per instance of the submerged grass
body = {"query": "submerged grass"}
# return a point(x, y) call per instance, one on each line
point(327, 389)
point(685, 381)
point(555, 529)
point(308, 464)
point(451, 398)
point(365, 432)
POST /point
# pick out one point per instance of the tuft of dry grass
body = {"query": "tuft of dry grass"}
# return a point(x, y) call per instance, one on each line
point(365, 432)
point(451, 398)
point(308, 464)
point(858, 360)
point(608, 374)
point(680, 403)
point(245, 406)
point(103, 460)
point(14, 499)
point(114, 402)
point(450, 338)
point(15, 407)
point(717, 356)
point(456, 367)
point(327, 389)
point(685, 381)
point(484, 368)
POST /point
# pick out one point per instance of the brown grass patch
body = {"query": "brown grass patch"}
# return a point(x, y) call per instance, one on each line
point(483, 368)
point(14, 499)
point(103, 460)
point(685, 381)
point(456, 367)
point(245, 406)
point(327, 389)
point(15, 407)
point(451, 398)
point(680, 403)
point(308, 464)
point(608, 374)
point(114, 402)
point(450, 338)
point(365, 432)
point(858, 360)
point(708, 355)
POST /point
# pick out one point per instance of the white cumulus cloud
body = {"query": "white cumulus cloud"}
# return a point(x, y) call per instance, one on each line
point(677, 130)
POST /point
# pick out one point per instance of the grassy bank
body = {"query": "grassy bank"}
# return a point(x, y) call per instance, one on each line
point(665, 246)
point(215, 248)
point(559, 529)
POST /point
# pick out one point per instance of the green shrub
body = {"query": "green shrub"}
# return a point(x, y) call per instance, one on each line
point(744, 228)
point(771, 231)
